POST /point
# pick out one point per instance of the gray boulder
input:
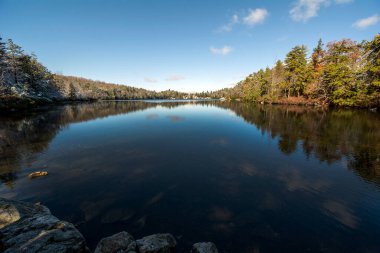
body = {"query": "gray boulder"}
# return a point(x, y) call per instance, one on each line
point(118, 243)
point(157, 243)
point(31, 228)
point(204, 247)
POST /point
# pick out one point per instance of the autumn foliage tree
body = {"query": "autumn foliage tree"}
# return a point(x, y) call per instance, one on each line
point(372, 69)
point(344, 73)
point(316, 67)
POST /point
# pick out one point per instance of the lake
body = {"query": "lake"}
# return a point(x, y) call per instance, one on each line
point(251, 178)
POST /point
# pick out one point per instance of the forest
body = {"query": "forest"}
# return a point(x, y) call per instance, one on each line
point(23, 77)
point(342, 73)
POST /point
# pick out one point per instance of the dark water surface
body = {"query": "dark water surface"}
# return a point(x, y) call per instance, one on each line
point(250, 178)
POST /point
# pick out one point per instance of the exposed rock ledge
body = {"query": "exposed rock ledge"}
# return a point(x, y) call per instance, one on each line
point(26, 227)
point(32, 228)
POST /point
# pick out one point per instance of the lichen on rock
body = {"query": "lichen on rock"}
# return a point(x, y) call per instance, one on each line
point(157, 243)
point(204, 247)
point(32, 228)
point(117, 243)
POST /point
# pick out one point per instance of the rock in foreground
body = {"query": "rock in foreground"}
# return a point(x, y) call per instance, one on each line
point(120, 242)
point(204, 247)
point(157, 243)
point(31, 228)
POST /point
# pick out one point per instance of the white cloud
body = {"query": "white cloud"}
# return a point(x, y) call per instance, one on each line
point(256, 16)
point(228, 27)
point(303, 10)
point(221, 51)
point(365, 22)
point(175, 78)
point(150, 80)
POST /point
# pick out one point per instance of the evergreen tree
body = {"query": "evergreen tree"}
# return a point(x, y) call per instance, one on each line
point(251, 88)
point(295, 66)
point(267, 82)
point(14, 55)
point(372, 67)
point(315, 72)
point(317, 56)
point(339, 76)
point(3, 62)
point(35, 73)
point(264, 80)
point(278, 78)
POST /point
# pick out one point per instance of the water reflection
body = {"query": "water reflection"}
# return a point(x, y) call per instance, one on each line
point(266, 178)
point(328, 135)
point(27, 133)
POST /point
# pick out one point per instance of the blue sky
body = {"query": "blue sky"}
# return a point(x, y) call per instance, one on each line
point(186, 45)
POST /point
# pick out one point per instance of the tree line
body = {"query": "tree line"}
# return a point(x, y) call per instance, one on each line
point(343, 73)
point(20, 73)
point(22, 76)
point(77, 88)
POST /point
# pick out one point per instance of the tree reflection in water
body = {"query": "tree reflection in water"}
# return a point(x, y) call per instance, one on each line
point(329, 135)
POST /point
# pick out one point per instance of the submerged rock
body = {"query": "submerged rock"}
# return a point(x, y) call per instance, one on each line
point(37, 174)
point(31, 228)
point(157, 243)
point(118, 243)
point(204, 247)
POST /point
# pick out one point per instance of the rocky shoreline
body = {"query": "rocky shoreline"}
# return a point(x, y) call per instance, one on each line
point(26, 227)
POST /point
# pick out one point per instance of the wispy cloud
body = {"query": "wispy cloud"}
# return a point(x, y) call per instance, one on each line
point(303, 10)
point(256, 16)
point(365, 22)
point(221, 51)
point(228, 27)
point(175, 78)
point(150, 80)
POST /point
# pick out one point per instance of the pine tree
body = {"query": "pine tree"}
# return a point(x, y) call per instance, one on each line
point(14, 55)
point(317, 56)
point(267, 85)
point(278, 78)
point(35, 73)
point(339, 77)
point(251, 87)
point(3, 63)
point(315, 72)
point(295, 66)
point(372, 52)
point(264, 81)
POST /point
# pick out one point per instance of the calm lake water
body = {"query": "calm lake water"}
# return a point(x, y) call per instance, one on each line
point(250, 178)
